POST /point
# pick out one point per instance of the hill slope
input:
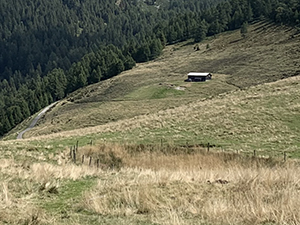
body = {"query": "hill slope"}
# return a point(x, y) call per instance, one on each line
point(145, 105)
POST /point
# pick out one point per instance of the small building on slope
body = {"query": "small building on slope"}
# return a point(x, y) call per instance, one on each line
point(198, 77)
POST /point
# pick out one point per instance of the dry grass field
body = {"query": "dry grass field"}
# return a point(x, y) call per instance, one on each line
point(149, 131)
point(151, 185)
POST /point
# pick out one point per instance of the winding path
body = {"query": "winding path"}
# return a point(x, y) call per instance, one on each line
point(35, 120)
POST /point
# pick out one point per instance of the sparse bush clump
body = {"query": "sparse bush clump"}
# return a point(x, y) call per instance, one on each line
point(104, 156)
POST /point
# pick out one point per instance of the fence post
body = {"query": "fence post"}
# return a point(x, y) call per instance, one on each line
point(74, 155)
point(254, 153)
point(90, 162)
point(284, 156)
point(208, 147)
point(77, 145)
point(71, 151)
point(82, 160)
point(98, 163)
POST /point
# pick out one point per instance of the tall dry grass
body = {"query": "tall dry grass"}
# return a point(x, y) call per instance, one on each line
point(164, 184)
point(25, 186)
point(214, 188)
point(15, 210)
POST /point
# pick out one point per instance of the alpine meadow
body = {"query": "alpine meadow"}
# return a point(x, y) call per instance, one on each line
point(125, 138)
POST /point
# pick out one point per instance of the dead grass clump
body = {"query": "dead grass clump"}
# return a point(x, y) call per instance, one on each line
point(16, 210)
point(5, 195)
point(188, 189)
point(125, 197)
point(25, 214)
point(200, 159)
point(167, 156)
point(46, 172)
point(108, 156)
point(4, 163)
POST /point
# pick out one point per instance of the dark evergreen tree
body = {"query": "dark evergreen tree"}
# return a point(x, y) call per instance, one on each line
point(155, 48)
point(95, 76)
point(201, 32)
point(129, 63)
point(244, 29)
point(143, 54)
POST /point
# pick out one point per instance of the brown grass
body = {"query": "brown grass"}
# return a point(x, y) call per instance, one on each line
point(215, 188)
point(160, 184)
point(24, 187)
point(14, 209)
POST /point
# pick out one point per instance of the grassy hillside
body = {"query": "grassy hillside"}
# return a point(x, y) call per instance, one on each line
point(262, 118)
point(235, 110)
point(267, 54)
point(149, 131)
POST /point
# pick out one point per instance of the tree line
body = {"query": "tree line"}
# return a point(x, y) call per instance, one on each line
point(21, 97)
point(51, 49)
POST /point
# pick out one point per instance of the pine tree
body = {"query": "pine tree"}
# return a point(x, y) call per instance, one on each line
point(82, 78)
point(201, 32)
point(14, 114)
point(23, 107)
point(56, 83)
point(244, 29)
point(155, 48)
point(129, 62)
point(214, 28)
point(162, 38)
point(1, 128)
point(6, 125)
point(95, 76)
point(143, 53)
point(249, 13)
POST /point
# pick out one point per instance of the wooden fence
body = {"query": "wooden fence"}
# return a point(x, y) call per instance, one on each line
point(96, 161)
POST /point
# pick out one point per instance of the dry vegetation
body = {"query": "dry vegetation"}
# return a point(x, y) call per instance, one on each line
point(198, 189)
point(152, 185)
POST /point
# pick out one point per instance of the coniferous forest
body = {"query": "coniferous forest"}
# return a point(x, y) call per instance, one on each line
point(52, 48)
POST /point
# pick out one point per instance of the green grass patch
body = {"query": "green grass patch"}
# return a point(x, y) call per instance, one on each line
point(293, 122)
point(154, 92)
point(166, 92)
point(66, 206)
point(55, 145)
point(68, 196)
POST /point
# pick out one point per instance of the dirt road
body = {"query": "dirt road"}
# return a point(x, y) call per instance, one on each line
point(35, 120)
